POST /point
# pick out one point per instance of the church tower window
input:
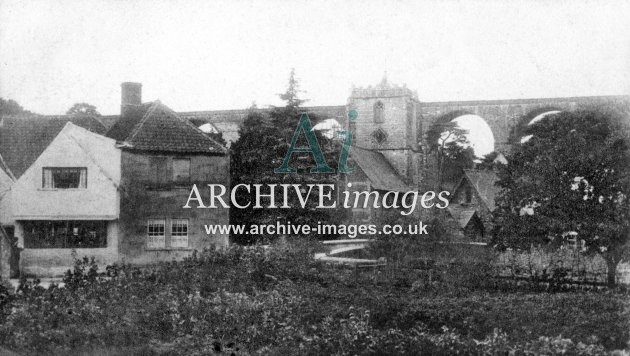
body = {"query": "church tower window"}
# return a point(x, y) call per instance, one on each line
point(378, 112)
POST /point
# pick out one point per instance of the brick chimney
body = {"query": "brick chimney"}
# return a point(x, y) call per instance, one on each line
point(131, 95)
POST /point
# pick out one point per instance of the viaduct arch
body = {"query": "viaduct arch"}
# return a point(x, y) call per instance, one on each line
point(507, 118)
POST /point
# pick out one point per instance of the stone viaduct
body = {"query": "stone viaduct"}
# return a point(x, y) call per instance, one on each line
point(502, 116)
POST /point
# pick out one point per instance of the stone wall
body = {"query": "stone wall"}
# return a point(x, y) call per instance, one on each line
point(143, 199)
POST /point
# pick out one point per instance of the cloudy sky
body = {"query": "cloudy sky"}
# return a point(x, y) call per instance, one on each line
point(196, 55)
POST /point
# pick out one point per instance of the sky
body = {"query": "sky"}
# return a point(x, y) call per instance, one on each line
point(210, 55)
point(478, 133)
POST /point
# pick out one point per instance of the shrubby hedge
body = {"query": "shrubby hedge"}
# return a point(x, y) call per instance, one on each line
point(280, 301)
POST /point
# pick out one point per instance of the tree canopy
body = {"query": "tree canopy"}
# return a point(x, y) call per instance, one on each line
point(11, 107)
point(264, 140)
point(83, 108)
point(572, 178)
point(453, 151)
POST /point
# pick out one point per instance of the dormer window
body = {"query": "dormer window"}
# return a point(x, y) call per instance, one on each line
point(378, 112)
point(64, 178)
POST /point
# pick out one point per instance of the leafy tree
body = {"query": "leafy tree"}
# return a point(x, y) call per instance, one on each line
point(11, 107)
point(264, 140)
point(572, 177)
point(83, 108)
point(453, 151)
point(489, 161)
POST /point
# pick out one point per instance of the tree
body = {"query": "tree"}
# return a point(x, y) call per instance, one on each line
point(83, 108)
point(262, 145)
point(291, 95)
point(572, 176)
point(489, 161)
point(11, 107)
point(452, 149)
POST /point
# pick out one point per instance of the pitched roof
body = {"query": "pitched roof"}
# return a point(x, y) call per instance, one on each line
point(155, 127)
point(381, 174)
point(461, 215)
point(483, 182)
point(5, 168)
point(6, 181)
point(24, 138)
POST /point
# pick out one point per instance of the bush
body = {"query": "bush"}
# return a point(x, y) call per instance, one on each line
point(278, 300)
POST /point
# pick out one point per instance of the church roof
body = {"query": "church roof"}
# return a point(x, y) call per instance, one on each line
point(24, 138)
point(381, 174)
point(155, 127)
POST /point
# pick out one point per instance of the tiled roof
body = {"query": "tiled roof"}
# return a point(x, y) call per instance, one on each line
point(483, 181)
point(123, 126)
point(381, 174)
point(24, 138)
point(461, 215)
point(5, 168)
point(155, 127)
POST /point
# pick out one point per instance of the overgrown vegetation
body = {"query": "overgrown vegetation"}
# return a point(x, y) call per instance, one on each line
point(280, 301)
point(569, 178)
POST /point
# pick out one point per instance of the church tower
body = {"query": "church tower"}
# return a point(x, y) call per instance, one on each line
point(388, 121)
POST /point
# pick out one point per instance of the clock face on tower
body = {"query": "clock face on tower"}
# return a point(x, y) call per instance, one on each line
point(380, 135)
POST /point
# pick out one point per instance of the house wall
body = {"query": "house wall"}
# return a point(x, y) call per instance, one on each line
point(54, 262)
point(5, 255)
point(73, 147)
point(145, 198)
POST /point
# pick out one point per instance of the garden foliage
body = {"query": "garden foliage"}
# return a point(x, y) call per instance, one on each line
point(280, 301)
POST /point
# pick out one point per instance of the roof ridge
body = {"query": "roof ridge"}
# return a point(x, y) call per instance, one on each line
point(196, 129)
point(145, 117)
point(92, 158)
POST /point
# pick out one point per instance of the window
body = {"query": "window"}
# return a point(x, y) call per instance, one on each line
point(64, 178)
point(179, 233)
point(378, 112)
point(181, 170)
point(158, 170)
point(65, 234)
point(155, 233)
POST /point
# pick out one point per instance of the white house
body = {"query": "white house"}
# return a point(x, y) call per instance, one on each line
point(67, 203)
point(6, 184)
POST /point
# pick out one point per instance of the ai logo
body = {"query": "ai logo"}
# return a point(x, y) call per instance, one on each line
point(314, 148)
